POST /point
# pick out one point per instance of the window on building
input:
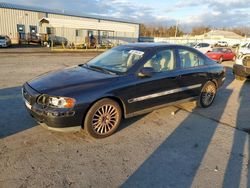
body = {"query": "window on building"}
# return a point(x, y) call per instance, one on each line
point(33, 29)
point(77, 33)
point(104, 34)
point(20, 28)
point(50, 30)
point(90, 33)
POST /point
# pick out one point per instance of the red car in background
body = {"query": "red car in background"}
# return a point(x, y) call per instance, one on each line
point(221, 54)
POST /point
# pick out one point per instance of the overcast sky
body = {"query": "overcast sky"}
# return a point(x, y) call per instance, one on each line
point(213, 13)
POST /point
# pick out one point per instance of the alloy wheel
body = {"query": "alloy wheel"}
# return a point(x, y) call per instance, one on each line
point(105, 119)
point(208, 94)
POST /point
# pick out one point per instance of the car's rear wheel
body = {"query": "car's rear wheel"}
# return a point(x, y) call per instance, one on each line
point(103, 118)
point(207, 94)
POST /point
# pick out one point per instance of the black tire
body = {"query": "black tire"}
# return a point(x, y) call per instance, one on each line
point(207, 94)
point(103, 118)
point(239, 78)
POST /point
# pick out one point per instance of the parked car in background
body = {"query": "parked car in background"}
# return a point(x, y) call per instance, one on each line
point(236, 45)
point(54, 40)
point(241, 68)
point(221, 54)
point(5, 41)
point(222, 44)
point(191, 44)
point(125, 81)
point(203, 47)
point(244, 49)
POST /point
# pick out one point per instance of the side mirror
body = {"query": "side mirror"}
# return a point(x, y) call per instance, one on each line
point(146, 72)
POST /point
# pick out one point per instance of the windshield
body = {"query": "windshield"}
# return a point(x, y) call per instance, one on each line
point(117, 60)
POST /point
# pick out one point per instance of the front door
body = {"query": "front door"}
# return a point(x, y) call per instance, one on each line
point(161, 87)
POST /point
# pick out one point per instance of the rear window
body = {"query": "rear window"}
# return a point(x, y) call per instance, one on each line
point(2, 37)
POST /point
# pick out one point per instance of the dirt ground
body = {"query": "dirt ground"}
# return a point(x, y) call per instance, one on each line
point(177, 146)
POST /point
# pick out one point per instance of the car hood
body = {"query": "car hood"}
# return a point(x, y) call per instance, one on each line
point(68, 78)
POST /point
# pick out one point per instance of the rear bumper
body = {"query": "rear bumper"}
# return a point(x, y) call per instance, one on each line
point(241, 70)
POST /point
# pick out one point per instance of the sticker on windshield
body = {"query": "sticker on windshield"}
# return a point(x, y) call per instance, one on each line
point(136, 52)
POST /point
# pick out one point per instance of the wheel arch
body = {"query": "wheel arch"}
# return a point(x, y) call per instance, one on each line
point(215, 82)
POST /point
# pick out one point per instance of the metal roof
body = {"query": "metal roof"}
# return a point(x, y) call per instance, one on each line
point(225, 34)
point(78, 24)
point(60, 12)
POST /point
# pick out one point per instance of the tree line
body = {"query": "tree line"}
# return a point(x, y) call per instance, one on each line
point(172, 31)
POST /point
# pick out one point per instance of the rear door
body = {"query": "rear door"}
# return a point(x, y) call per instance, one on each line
point(193, 73)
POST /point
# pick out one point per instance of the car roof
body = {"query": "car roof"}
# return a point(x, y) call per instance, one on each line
point(152, 44)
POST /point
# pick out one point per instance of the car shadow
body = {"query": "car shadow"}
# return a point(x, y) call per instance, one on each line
point(14, 116)
point(129, 121)
point(236, 163)
point(176, 161)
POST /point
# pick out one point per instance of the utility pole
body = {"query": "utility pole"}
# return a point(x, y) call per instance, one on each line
point(176, 28)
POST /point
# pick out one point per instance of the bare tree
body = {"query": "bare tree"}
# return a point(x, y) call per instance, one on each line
point(200, 30)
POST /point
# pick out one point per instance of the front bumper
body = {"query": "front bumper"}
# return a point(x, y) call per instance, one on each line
point(53, 117)
point(3, 44)
point(241, 70)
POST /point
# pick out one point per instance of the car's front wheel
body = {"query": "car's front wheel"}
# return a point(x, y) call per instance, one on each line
point(103, 118)
point(207, 94)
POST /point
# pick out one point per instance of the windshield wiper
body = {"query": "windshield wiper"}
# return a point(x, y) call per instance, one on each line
point(100, 69)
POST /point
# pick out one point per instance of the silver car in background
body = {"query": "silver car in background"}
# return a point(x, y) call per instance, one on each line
point(5, 41)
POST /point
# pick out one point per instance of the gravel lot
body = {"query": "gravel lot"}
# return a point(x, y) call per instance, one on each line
point(177, 146)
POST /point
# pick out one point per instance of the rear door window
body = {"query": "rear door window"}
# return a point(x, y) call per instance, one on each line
point(190, 59)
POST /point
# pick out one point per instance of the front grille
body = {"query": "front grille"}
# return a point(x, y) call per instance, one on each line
point(246, 61)
point(27, 96)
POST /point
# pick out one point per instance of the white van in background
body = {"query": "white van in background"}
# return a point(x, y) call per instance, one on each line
point(244, 49)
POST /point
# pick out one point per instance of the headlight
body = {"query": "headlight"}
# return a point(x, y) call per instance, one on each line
point(56, 102)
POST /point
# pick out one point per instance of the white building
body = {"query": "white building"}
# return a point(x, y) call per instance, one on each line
point(19, 21)
point(211, 37)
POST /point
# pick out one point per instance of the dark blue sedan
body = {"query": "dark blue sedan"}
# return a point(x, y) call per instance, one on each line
point(125, 81)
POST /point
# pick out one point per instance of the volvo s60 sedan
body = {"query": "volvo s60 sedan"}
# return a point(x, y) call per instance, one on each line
point(125, 81)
